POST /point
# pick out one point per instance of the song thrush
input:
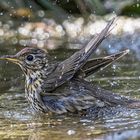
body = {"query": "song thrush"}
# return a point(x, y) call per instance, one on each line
point(59, 87)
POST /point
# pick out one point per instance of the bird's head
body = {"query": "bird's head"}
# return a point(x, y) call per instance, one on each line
point(29, 59)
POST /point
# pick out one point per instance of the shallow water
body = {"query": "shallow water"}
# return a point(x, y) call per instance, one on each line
point(18, 122)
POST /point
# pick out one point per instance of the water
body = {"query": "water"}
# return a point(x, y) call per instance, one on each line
point(18, 122)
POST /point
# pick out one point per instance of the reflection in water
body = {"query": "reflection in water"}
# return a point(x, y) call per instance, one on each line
point(18, 122)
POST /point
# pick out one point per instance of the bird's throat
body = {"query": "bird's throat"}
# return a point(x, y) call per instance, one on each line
point(33, 88)
point(33, 81)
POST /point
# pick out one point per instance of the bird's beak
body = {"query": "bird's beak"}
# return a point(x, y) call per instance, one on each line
point(11, 58)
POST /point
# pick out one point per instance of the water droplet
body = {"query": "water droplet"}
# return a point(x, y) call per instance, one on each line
point(1, 13)
point(109, 46)
point(114, 67)
point(41, 13)
point(71, 132)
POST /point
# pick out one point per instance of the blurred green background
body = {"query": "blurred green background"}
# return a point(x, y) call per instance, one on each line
point(62, 9)
point(52, 23)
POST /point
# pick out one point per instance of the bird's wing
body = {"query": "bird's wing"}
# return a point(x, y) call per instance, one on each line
point(67, 68)
point(61, 103)
point(79, 95)
point(94, 65)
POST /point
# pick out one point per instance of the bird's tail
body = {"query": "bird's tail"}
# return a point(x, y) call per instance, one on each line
point(96, 64)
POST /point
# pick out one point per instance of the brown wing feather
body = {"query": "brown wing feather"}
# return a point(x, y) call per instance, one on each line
point(83, 95)
point(66, 69)
point(97, 64)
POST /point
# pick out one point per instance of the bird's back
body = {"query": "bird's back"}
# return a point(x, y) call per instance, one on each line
point(78, 95)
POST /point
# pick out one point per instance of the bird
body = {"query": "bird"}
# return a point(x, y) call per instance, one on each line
point(60, 87)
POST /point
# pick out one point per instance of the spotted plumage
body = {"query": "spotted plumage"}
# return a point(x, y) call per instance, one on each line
point(60, 87)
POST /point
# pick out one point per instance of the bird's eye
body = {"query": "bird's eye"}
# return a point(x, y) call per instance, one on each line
point(30, 57)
